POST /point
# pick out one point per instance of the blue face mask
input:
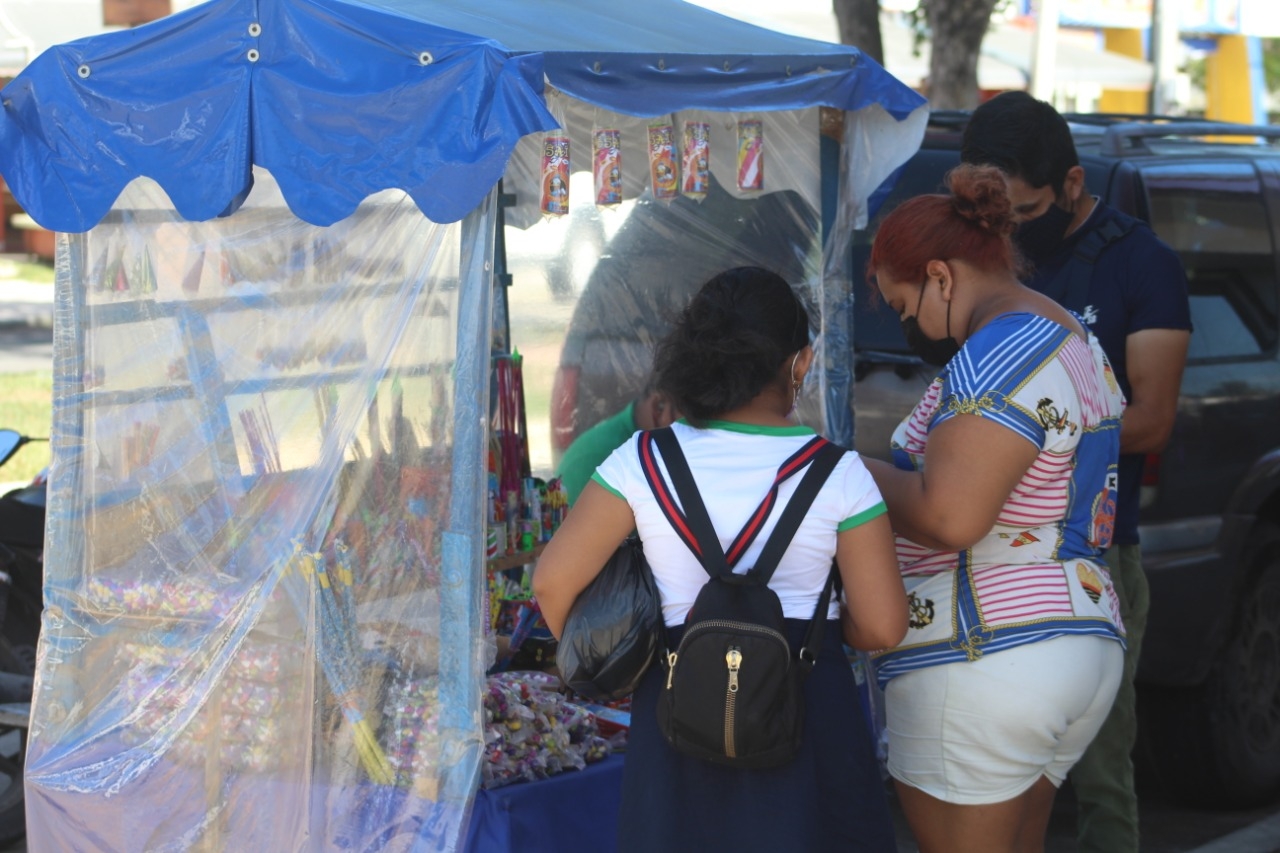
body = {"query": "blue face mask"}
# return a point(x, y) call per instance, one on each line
point(935, 352)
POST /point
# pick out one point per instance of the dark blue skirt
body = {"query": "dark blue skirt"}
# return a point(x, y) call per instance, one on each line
point(829, 798)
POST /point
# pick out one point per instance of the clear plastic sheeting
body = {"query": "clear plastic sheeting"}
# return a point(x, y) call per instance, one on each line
point(263, 592)
point(595, 289)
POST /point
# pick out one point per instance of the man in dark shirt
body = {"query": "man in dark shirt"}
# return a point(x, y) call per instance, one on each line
point(1131, 290)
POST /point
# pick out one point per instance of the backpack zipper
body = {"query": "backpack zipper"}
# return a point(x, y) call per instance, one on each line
point(737, 626)
point(732, 659)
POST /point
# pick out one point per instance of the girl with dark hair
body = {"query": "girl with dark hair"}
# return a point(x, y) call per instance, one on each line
point(734, 365)
point(1002, 496)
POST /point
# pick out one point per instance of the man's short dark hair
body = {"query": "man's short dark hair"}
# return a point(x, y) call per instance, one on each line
point(1024, 137)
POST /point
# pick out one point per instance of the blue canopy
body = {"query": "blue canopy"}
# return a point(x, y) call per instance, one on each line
point(342, 98)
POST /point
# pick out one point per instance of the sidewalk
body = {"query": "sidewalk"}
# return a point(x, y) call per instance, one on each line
point(26, 320)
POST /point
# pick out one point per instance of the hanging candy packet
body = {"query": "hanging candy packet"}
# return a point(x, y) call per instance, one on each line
point(662, 161)
point(697, 159)
point(607, 165)
point(750, 154)
point(555, 175)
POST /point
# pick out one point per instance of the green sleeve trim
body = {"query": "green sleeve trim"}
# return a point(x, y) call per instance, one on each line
point(596, 478)
point(756, 429)
point(862, 517)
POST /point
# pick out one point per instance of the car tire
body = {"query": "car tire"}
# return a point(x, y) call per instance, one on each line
point(1218, 745)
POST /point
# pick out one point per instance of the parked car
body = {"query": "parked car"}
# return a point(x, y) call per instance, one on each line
point(1209, 677)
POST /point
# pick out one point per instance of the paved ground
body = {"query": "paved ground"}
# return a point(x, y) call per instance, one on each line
point(26, 325)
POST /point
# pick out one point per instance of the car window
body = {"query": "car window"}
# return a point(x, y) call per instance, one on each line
point(1214, 216)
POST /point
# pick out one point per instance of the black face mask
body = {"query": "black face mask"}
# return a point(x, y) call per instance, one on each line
point(937, 353)
point(1042, 237)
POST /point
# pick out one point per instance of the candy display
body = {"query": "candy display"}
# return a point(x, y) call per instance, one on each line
point(181, 597)
point(411, 731)
point(244, 720)
point(531, 731)
point(522, 511)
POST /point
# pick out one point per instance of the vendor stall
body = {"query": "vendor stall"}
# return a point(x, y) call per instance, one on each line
point(285, 448)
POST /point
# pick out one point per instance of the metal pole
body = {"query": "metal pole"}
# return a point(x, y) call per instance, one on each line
point(1044, 57)
point(1165, 18)
point(462, 557)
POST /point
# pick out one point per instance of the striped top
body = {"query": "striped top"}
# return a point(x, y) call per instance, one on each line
point(1039, 572)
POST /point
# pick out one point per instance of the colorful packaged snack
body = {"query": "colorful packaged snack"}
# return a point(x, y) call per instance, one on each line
point(662, 161)
point(555, 175)
point(607, 165)
point(750, 154)
point(697, 159)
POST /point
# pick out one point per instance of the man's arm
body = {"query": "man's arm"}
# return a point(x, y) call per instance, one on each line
point(1155, 358)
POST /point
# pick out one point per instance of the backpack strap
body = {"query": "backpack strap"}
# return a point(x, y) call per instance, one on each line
point(785, 530)
point(689, 518)
point(1070, 287)
point(695, 528)
point(824, 462)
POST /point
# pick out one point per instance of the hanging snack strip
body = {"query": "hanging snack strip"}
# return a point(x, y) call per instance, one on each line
point(697, 159)
point(662, 161)
point(750, 154)
point(555, 175)
point(606, 157)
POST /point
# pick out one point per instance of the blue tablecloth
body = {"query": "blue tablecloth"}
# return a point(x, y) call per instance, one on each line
point(574, 812)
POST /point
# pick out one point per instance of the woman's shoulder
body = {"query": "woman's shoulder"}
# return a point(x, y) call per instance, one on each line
point(1015, 336)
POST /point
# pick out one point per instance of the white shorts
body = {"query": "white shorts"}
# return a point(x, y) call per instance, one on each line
point(984, 731)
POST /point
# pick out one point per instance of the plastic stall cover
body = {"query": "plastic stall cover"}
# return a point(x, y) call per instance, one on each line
point(262, 620)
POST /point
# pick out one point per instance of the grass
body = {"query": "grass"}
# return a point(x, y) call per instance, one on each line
point(27, 408)
point(18, 270)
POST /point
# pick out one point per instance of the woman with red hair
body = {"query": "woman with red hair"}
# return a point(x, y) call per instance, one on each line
point(1000, 494)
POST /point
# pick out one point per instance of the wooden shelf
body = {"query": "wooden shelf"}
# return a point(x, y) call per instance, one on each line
point(511, 561)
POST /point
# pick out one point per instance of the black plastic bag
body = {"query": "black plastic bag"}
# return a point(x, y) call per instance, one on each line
point(613, 630)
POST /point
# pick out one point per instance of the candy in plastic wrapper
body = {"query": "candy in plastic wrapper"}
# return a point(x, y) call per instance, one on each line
point(662, 162)
point(697, 159)
point(750, 154)
point(607, 165)
point(555, 175)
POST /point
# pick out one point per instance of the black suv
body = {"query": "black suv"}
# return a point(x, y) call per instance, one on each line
point(1209, 678)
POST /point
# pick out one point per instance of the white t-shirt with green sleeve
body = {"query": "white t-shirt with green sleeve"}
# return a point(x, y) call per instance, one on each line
point(734, 465)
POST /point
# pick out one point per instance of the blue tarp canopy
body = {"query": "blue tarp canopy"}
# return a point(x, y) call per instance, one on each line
point(342, 98)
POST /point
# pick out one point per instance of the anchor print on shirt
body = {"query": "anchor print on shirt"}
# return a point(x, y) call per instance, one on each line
point(1051, 419)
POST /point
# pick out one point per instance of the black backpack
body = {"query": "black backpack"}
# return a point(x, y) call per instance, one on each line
point(733, 692)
